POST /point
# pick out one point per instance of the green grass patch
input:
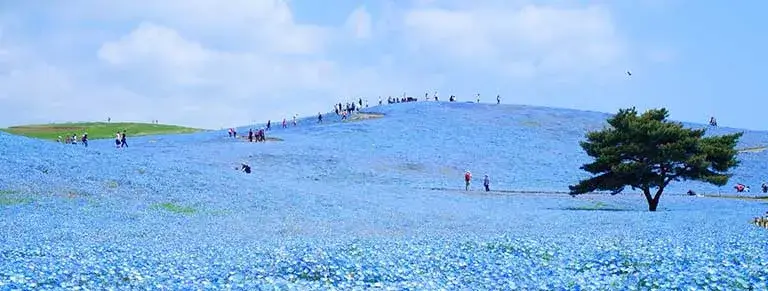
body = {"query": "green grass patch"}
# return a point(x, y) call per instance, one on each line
point(96, 130)
point(738, 197)
point(530, 123)
point(112, 184)
point(175, 208)
point(13, 197)
point(597, 206)
point(8, 192)
point(9, 201)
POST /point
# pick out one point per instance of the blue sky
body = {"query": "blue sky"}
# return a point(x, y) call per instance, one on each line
point(214, 64)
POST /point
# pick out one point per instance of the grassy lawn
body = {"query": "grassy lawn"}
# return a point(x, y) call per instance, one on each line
point(95, 130)
point(175, 208)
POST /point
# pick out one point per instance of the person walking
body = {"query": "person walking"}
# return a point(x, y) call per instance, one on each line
point(487, 183)
point(467, 179)
point(123, 142)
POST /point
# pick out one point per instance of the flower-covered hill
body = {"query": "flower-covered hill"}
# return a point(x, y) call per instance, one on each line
point(421, 144)
point(361, 204)
point(523, 148)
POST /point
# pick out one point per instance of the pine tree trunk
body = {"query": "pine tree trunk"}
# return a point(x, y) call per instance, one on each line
point(652, 204)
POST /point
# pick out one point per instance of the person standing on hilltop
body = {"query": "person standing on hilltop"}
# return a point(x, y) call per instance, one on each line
point(319, 117)
point(467, 179)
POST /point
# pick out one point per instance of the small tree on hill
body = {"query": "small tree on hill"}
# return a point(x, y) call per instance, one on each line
point(647, 152)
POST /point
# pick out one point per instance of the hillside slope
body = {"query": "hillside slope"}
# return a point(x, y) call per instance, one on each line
point(420, 145)
point(523, 148)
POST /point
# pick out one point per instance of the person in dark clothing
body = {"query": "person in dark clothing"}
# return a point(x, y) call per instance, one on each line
point(85, 139)
point(262, 136)
point(246, 168)
point(319, 117)
point(250, 135)
point(123, 142)
point(360, 101)
point(269, 124)
point(487, 183)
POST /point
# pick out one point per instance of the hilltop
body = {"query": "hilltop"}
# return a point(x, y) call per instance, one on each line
point(374, 203)
point(95, 130)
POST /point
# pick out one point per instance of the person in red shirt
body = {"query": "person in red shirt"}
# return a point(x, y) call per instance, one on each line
point(467, 179)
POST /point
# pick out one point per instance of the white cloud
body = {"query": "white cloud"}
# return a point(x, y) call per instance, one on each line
point(263, 25)
point(212, 63)
point(359, 23)
point(207, 63)
point(522, 40)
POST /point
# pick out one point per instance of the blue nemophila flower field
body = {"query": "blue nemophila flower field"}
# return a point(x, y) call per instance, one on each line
point(375, 203)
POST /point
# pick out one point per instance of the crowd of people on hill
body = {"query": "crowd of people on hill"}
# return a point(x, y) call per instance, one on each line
point(72, 139)
point(344, 111)
point(405, 98)
point(120, 139)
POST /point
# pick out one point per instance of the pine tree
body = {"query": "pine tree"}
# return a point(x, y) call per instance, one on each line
point(647, 152)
